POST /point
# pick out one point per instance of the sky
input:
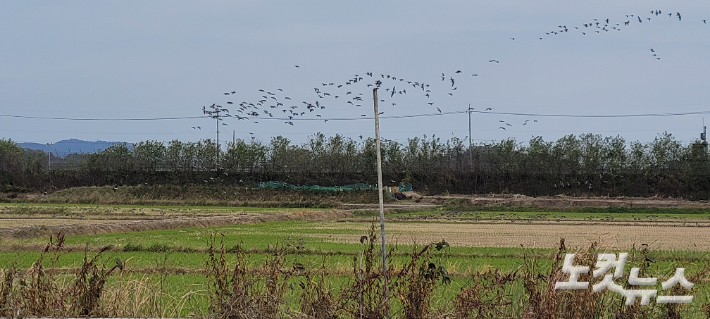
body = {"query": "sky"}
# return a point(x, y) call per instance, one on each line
point(162, 61)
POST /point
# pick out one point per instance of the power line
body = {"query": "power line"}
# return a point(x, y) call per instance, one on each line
point(595, 116)
point(361, 118)
point(101, 119)
point(372, 117)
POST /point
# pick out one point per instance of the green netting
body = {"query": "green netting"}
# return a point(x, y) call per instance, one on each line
point(358, 186)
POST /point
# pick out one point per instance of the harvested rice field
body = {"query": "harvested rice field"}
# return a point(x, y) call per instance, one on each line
point(167, 249)
point(535, 235)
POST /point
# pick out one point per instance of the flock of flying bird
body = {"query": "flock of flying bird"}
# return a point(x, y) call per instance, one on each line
point(346, 92)
point(601, 26)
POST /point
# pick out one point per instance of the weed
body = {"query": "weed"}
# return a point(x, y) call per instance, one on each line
point(89, 284)
point(317, 300)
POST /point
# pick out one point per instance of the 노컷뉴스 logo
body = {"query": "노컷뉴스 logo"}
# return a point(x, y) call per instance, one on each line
point(607, 261)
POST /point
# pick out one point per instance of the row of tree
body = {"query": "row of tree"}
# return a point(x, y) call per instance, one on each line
point(575, 165)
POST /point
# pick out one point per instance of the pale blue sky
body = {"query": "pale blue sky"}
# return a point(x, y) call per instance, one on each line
point(144, 59)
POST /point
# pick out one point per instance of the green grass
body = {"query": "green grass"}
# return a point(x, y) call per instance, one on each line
point(185, 248)
point(153, 251)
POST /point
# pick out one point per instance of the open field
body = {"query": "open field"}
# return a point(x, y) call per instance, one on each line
point(175, 259)
point(687, 228)
point(165, 247)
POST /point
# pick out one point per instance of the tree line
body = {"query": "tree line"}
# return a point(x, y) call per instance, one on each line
point(588, 164)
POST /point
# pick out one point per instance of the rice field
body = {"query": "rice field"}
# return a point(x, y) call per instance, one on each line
point(169, 246)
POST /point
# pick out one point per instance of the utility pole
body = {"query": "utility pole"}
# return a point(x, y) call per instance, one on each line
point(218, 134)
point(49, 156)
point(215, 113)
point(470, 154)
point(703, 137)
point(382, 206)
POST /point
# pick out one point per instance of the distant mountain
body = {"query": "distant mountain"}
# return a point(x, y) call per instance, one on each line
point(64, 147)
